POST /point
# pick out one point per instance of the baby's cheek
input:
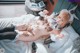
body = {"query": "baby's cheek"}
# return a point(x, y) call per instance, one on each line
point(61, 24)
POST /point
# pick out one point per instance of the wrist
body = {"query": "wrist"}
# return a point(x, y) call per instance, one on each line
point(18, 33)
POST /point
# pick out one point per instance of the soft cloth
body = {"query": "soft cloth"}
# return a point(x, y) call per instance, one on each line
point(13, 46)
point(35, 6)
point(64, 44)
point(15, 20)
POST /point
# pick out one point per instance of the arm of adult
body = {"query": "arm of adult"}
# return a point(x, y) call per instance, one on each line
point(37, 35)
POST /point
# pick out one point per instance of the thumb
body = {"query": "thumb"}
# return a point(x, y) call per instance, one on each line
point(50, 32)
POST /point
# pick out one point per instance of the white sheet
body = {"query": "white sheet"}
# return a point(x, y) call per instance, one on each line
point(12, 46)
point(16, 20)
point(66, 44)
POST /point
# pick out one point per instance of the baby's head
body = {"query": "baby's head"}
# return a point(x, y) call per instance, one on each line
point(63, 18)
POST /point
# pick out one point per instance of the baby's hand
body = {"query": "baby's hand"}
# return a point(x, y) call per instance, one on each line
point(45, 12)
point(29, 29)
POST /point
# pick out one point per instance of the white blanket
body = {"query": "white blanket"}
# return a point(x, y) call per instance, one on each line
point(65, 45)
point(13, 46)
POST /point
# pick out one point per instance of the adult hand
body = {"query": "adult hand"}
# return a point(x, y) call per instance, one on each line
point(40, 32)
point(21, 27)
point(21, 37)
point(27, 33)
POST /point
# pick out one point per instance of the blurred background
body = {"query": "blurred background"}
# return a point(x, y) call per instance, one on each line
point(12, 8)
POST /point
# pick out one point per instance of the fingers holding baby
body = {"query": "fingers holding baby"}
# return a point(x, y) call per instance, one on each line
point(40, 32)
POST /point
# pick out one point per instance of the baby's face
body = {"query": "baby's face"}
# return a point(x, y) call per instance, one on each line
point(63, 18)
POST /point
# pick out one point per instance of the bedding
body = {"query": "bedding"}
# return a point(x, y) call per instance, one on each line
point(66, 44)
point(15, 21)
point(11, 46)
point(19, 47)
